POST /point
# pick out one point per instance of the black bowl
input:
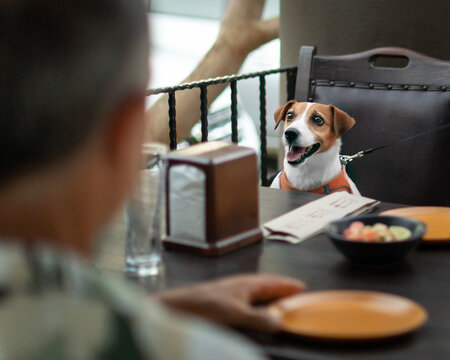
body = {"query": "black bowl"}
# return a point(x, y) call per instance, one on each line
point(375, 253)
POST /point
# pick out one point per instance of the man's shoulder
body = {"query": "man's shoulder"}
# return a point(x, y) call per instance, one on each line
point(54, 306)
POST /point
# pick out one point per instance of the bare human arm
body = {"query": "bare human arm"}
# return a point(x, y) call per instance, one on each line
point(231, 301)
point(241, 31)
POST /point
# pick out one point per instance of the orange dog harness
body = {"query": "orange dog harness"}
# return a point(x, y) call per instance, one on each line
point(339, 183)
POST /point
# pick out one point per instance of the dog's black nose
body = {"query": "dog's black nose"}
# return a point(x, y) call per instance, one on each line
point(291, 135)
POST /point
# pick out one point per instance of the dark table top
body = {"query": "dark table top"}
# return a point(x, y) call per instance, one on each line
point(424, 277)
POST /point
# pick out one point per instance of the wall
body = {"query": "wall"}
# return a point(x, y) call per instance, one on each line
point(346, 26)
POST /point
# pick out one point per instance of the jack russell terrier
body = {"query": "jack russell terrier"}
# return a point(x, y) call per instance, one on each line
point(312, 142)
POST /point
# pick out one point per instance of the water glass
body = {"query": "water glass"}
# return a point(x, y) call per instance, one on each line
point(144, 215)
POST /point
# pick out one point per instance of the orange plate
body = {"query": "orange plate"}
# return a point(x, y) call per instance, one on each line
point(349, 315)
point(436, 218)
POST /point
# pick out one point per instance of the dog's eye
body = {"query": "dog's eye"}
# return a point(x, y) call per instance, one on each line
point(290, 116)
point(318, 120)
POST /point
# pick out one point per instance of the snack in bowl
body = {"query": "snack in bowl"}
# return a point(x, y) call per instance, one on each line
point(376, 250)
point(378, 232)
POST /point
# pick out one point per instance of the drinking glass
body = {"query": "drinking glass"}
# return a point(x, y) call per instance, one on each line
point(144, 215)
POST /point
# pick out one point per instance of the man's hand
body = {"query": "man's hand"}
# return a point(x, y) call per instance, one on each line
point(231, 301)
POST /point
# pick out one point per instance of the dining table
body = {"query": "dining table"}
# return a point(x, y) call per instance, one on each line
point(423, 277)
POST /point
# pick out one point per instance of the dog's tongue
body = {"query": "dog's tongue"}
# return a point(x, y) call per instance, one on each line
point(295, 153)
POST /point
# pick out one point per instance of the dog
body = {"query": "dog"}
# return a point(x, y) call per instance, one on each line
point(312, 141)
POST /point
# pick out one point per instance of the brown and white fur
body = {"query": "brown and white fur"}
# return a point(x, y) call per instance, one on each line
point(312, 141)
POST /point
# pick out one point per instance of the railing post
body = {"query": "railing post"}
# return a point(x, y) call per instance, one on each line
point(234, 126)
point(172, 121)
point(263, 133)
point(204, 112)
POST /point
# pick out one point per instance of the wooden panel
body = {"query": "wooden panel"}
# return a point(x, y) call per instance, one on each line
point(233, 206)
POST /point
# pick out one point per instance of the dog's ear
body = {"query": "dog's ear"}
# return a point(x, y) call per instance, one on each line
point(342, 122)
point(280, 113)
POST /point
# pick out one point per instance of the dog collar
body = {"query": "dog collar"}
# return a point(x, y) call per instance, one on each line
point(339, 183)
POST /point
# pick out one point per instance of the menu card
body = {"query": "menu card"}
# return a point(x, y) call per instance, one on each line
point(310, 219)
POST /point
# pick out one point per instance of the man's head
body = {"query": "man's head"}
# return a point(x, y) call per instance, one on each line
point(72, 81)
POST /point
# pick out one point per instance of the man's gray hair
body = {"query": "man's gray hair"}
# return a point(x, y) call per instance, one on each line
point(65, 67)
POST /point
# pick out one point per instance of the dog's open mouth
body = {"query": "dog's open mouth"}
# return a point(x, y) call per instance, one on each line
point(297, 154)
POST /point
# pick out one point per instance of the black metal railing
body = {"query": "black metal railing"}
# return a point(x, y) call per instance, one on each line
point(291, 74)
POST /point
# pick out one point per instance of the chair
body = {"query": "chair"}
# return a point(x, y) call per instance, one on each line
point(392, 93)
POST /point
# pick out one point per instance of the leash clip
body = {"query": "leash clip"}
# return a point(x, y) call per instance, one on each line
point(345, 159)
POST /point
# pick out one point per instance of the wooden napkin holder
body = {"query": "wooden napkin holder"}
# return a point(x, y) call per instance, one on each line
point(212, 199)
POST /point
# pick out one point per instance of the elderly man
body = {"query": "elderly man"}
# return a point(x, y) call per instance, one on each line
point(72, 81)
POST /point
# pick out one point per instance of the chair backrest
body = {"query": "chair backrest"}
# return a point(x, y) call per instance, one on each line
point(388, 103)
